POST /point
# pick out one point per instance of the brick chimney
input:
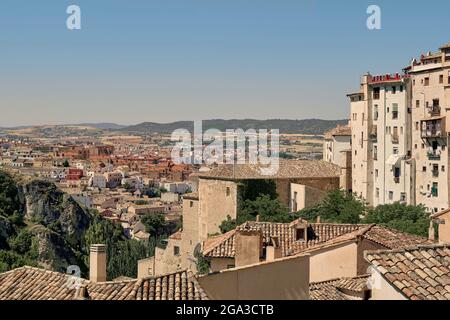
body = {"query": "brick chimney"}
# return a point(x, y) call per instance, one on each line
point(273, 251)
point(97, 263)
point(248, 247)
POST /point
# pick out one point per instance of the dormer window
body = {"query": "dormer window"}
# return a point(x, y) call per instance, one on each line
point(300, 234)
point(301, 231)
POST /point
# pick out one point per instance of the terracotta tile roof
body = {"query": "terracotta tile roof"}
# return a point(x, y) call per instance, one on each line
point(419, 273)
point(177, 286)
point(29, 283)
point(338, 131)
point(288, 169)
point(319, 235)
point(176, 235)
point(394, 239)
point(340, 289)
point(223, 246)
point(440, 213)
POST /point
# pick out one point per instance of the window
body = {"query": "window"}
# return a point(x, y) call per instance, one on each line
point(191, 204)
point(376, 93)
point(176, 250)
point(396, 172)
point(377, 194)
point(401, 88)
point(391, 195)
point(228, 191)
point(417, 103)
point(427, 81)
point(375, 113)
point(424, 169)
point(403, 197)
point(443, 168)
point(395, 151)
point(394, 90)
point(394, 111)
point(441, 78)
point(300, 234)
point(375, 153)
point(434, 190)
point(435, 170)
point(435, 102)
point(376, 173)
point(417, 125)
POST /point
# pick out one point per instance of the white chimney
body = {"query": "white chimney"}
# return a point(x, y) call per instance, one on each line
point(97, 263)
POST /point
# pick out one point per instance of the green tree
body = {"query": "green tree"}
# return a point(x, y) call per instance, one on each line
point(227, 225)
point(406, 218)
point(338, 206)
point(203, 264)
point(66, 164)
point(128, 187)
point(122, 253)
point(252, 189)
point(9, 195)
point(268, 209)
point(155, 224)
point(22, 242)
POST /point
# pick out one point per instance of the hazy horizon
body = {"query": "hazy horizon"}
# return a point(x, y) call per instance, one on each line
point(162, 61)
point(144, 121)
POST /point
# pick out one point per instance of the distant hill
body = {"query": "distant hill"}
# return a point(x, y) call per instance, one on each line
point(102, 126)
point(307, 126)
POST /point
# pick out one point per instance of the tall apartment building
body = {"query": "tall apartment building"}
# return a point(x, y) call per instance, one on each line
point(431, 106)
point(382, 168)
point(400, 134)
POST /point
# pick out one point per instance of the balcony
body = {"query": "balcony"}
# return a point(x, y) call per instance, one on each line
point(434, 111)
point(373, 133)
point(434, 155)
point(433, 128)
point(394, 138)
point(397, 179)
point(435, 173)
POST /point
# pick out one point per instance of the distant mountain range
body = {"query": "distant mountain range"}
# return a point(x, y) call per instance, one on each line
point(307, 126)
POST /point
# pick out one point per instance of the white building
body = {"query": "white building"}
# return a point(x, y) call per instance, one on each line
point(382, 168)
point(431, 106)
point(336, 141)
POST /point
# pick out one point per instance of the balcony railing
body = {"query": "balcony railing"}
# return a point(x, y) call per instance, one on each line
point(434, 155)
point(434, 111)
point(433, 128)
point(394, 138)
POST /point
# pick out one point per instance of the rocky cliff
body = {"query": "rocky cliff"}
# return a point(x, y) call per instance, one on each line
point(56, 223)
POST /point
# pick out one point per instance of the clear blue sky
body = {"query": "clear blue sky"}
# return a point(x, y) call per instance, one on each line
point(171, 60)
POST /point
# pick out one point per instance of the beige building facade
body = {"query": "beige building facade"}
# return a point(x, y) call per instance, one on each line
point(400, 135)
point(431, 104)
point(382, 169)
